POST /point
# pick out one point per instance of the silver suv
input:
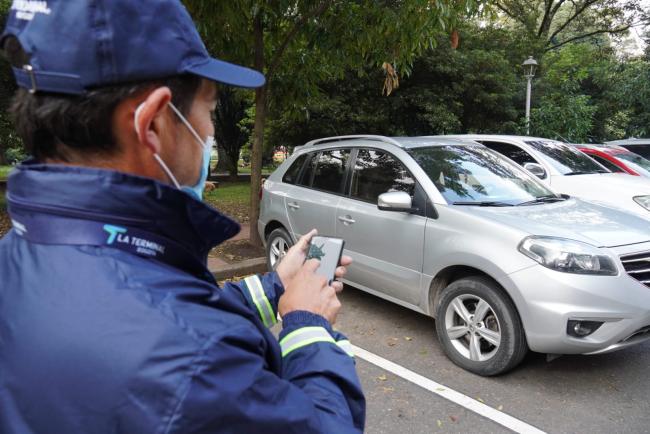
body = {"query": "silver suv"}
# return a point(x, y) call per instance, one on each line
point(454, 230)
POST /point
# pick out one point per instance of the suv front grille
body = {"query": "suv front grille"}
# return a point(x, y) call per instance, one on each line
point(637, 265)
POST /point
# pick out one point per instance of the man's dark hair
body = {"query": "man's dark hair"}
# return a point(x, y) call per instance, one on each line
point(49, 123)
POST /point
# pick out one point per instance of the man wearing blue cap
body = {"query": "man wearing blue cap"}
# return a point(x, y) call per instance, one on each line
point(109, 319)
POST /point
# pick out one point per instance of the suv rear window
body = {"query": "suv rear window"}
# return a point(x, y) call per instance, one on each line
point(308, 172)
point(330, 170)
point(291, 175)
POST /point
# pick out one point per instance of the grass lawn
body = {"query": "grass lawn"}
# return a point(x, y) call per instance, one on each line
point(4, 171)
point(231, 198)
point(247, 170)
point(230, 192)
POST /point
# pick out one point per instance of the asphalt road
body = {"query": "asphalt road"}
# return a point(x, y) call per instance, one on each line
point(572, 394)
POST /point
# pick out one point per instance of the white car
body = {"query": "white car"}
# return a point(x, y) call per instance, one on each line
point(569, 171)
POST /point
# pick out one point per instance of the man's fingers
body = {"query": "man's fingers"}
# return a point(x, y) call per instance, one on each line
point(311, 265)
point(345, 260)
point(340, 272)
point(338, 286)
point(303, 242)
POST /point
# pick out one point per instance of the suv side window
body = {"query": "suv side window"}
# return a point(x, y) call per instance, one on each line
point(515, 153)
point(308, 173)
point(330, 170)
point(377, 172)
point(291, 175)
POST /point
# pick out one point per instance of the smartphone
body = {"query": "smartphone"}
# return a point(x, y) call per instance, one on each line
point(328, 251)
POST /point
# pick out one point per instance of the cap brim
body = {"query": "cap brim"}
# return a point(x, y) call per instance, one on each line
point(228, 73)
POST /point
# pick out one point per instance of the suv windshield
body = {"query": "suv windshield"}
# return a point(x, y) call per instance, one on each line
point(567, 160)
point(636, 162)
point(467, 175)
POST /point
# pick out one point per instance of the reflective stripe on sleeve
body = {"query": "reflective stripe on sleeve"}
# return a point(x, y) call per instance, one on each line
point(304, 336)
point(258, 295)
point(346, 346)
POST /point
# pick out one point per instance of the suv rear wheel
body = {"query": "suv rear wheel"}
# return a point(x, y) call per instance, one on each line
point(277, 244)
point(479, 327)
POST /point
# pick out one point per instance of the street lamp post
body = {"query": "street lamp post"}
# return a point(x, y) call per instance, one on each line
point(530, 65)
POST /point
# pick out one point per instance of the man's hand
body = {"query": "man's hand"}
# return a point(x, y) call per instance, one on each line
point(295, 258)
point(304, 289)
point(309, 291)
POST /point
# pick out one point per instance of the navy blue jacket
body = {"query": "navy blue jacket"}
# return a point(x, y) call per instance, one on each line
point(98, 339)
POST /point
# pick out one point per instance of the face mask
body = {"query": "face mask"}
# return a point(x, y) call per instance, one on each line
point(195, 190)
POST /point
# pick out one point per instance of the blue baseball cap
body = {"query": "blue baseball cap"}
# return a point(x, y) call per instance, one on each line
point(77, 45)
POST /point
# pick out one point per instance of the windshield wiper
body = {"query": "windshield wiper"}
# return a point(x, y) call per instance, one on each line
point(484, 203)
point(549, 198)
point(579, 172)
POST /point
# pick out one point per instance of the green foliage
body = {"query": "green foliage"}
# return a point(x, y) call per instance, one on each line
point(8, 138)
point(556, 23)
point(632, 89)
point(474, 88)
point(233, 124)
point(4, 172)
point(563, 117)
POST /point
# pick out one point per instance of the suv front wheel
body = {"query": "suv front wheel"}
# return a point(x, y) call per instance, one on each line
point(479, 327)
point(277, 244)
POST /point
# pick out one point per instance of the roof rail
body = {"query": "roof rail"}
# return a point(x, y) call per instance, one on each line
point(360, 136)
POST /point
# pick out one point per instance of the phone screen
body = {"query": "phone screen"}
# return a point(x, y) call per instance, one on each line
point(328, 251)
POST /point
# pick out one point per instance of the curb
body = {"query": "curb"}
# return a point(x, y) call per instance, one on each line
point(243, 268)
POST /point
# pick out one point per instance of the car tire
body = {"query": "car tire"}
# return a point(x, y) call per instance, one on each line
point(472, 344)
point(277, 244)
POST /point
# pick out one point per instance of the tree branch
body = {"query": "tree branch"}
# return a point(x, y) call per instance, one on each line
point(587, 35)
point(547, 18)
point(507, 12)
point(578, 11)
point(292, 34)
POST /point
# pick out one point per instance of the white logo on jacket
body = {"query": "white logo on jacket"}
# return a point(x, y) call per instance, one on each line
point(27, 9)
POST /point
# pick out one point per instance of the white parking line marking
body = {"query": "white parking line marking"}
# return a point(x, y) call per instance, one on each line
point(443, 391)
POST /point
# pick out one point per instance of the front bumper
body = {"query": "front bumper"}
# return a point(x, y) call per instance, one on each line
point(548, 299)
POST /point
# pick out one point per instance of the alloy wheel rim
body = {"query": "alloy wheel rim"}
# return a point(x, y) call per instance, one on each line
point(473, 327)
point(279, 248)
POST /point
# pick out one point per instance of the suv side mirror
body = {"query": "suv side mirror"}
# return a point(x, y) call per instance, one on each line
point(399, 201)
point(536, 169)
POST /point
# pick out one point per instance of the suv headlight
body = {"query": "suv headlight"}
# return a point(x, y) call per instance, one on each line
point(568, 256)
point(644, 201)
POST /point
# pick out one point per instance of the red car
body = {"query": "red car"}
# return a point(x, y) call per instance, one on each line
point(618, 159)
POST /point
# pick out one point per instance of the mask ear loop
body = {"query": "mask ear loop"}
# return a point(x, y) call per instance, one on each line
point(162, 164)
point(187, 124)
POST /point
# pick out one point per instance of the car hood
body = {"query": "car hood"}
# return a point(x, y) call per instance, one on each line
point(611, 189)
point(575, 219)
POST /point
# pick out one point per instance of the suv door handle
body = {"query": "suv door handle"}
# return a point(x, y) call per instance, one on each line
point(293, 205)
point(347, 220)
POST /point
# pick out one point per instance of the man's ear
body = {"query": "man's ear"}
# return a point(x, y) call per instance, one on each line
point(149, 118)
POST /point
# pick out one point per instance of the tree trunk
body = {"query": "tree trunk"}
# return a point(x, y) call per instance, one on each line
point(233, 168)
point(223, 165)
point(258, 134)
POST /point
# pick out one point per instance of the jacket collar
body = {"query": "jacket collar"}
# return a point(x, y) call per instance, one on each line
point(96, 194)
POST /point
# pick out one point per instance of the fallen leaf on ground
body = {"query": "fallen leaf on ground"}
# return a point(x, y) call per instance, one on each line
point(382, 378)
point(392, 342)
point(453, 418)
point(500, 407)
point(408, 338)
point(439, 423)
